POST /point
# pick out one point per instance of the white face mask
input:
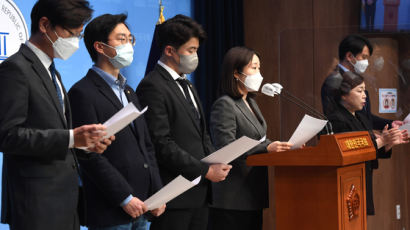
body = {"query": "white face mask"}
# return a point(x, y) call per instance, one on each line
point(188, 63)
point(64, 47)
point(361, 66)
point(253, 82)
point(124, 57)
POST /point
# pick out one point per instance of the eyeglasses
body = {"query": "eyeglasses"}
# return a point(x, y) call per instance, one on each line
point(124, 39)
point(79, 36)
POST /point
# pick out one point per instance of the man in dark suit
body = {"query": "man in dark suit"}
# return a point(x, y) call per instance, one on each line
point(40, 187)
point(354, 52)
point(117, 182)
point(177, 124)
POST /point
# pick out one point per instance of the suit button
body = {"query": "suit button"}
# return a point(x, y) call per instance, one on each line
point(145, 165)
point(73, 166)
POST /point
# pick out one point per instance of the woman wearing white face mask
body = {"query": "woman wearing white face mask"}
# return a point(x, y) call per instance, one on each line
point(239, 200)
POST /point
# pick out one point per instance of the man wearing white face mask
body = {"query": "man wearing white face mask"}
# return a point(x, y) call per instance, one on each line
point(40, 187)
point(354, 53)
point(177, 125)
point(117, 182)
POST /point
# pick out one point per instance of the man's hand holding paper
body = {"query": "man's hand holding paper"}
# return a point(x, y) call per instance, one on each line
point(97, 137)
point(218, 172)
point(158, 211)
point(90, 137)
point(135, 207)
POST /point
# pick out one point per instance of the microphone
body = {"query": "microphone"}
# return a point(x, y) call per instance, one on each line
point(272, 89)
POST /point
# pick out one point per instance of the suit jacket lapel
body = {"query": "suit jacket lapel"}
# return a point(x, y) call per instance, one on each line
point(198, 103)
point(107, 92)
point(260, 121)
point(138, 125)
point(66, 117)
point(105, 89)
point(129, 93)
point(67, 108)
point(45, 77)
point(251, 117)
point(351, 119)
point(177, 91)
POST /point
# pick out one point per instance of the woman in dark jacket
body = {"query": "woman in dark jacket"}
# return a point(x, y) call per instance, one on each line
point(351, 97)
point(238, 201)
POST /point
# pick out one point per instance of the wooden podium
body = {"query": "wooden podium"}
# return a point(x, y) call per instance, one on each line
point(321, 187)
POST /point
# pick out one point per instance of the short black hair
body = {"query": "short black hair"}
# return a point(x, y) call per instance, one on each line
point(99, 29)
point(177, 31)
point(353, 43)
point(67, 13)
point(235, 60)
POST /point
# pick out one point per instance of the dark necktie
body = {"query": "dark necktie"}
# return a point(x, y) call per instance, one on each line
point(185, 84)
point(54, 78)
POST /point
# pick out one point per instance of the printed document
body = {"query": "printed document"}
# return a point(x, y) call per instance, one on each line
point(308, 128)
point(231, 151)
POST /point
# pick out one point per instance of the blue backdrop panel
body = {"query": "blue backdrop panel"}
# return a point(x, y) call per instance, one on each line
point(403, 17)
point(142, 17)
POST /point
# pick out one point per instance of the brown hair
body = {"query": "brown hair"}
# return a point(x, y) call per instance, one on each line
point(177, 31)
point(349, 81)
point(67, 13)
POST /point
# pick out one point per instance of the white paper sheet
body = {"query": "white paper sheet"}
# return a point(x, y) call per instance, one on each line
point(405, 127)
point(307, 128)
point(122, 118)
point(407, 119)
point(232, 151)
point(173, 189)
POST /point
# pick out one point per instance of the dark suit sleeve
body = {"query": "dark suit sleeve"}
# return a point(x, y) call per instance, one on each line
point(169, 154)
point(223, 127)
point(222, 124)
point(339, 125)
point(377, 123)
point(382, 153)
point(209, 147)
point(156, 180)
point(15, 138)
point(96, 166)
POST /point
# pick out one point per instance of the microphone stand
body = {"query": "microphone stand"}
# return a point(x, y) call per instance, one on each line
point(288, 96)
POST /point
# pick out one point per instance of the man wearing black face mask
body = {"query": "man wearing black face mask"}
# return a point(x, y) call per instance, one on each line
point(354, 52)
point(177, 125)
point(40, 187)
point(116, 183)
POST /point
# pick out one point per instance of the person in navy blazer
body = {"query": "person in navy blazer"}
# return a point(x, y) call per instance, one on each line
point(239, 200)
point(40, 181)
point(117, 182)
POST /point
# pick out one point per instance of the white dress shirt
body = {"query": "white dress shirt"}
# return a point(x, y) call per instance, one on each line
point(175, 76)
